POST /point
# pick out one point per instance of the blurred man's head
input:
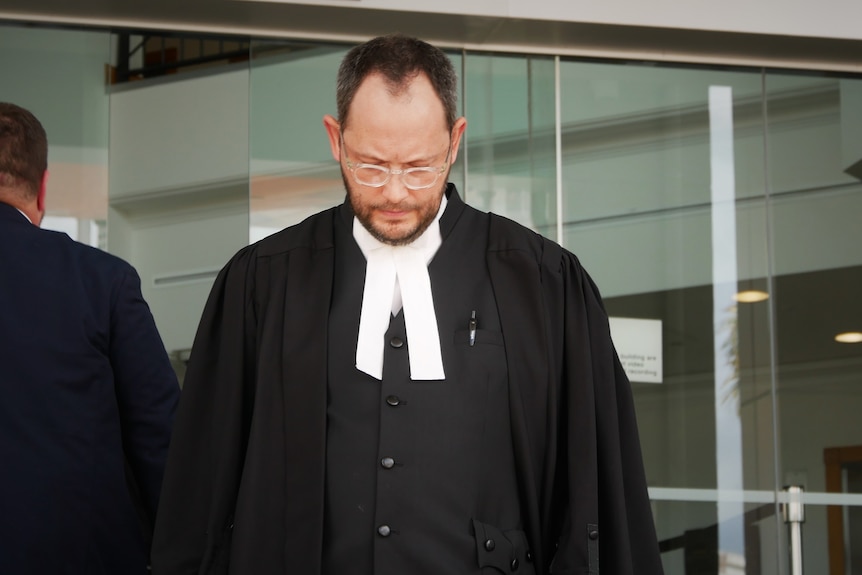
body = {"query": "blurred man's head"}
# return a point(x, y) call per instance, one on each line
point(23, 160)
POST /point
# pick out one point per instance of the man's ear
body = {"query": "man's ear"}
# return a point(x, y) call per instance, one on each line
point(333, 131)
point(457, 132)
point(40, 198)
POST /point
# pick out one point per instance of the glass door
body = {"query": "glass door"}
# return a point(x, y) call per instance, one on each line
point(664, 200)
point(722, 208)
point(815, 166)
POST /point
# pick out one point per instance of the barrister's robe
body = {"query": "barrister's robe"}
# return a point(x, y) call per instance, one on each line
point(244, 487)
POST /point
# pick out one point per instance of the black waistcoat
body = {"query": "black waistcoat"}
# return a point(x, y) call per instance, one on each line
point(420, 475)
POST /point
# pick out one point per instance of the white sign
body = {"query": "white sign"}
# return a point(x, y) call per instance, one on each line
point(638, 344)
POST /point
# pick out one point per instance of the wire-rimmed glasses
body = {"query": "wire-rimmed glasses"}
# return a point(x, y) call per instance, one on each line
point(376, 176)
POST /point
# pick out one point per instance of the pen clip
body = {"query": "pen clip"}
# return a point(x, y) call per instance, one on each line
point(472, 325)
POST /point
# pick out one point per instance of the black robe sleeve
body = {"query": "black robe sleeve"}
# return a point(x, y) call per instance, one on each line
point(583, 486)
point(599, 411)
point(607, 525)
point(209, 439)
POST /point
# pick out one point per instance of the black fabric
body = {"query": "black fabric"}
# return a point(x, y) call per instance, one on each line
point(353, 413)
point(250, 437)
point(87, 400)
point(505, 551)
point(423, 458)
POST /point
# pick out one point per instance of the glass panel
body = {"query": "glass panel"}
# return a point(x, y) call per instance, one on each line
point(510, 156)
point(663, 201)
point(293, 174)
point(695, 550)
point(59, 75)
point(815, 167)
point(179, 188)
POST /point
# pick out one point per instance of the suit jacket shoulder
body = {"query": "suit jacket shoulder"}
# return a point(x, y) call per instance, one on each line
point(81, 358)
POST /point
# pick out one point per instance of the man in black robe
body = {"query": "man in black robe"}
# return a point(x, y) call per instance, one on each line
point(403, 384)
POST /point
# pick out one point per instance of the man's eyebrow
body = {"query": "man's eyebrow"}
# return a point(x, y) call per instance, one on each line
point(371, 158)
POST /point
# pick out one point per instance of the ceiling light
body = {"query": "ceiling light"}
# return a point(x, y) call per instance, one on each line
point(751, 296)
point(849, 337)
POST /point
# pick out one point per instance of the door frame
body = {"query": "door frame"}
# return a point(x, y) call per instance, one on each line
point(835, 458)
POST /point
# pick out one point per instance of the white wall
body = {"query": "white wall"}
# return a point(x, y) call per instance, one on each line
point(179, 190)
point(178, 134)
point(826, 18)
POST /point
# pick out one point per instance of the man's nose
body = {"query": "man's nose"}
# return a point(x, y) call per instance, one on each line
point(394, 190)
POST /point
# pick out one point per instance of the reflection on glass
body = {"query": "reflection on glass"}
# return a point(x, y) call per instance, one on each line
point(179, 188)
point(849, 337)
point(815, 146)
point(511, 152)
point(639, 208)
point(728, 428)
point(293, 173)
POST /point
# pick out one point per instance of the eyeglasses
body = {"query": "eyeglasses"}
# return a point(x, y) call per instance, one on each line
point(376, 176)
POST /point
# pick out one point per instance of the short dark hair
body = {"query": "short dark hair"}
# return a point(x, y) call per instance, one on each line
point(399, 59)
point(23, 150)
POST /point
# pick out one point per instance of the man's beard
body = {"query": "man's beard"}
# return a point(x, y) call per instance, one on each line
point(364, 215)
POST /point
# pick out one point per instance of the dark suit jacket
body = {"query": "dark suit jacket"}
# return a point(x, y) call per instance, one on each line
point(244, 486)
point(87, 397)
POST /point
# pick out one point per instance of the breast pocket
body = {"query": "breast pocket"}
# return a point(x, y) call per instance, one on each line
point(482, 364)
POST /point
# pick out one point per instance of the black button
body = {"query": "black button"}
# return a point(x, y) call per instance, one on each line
point(514, 565)
point(396, 342)
point(489, 545)
point(529, 556)
point(384, 530)
point(594, 534)
point(393, 400)
point(387, 462)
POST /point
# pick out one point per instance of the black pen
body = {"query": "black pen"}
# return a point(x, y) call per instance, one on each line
point(473, 325)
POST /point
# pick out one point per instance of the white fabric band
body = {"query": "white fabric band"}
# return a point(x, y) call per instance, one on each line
point(389, 268)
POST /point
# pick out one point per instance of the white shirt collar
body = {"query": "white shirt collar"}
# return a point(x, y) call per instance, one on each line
point(25, 215)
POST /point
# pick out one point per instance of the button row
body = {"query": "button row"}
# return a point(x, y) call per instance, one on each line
point(388, 462)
